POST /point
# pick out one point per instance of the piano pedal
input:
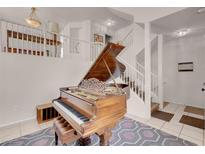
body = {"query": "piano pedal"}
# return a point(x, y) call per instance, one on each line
point(56, 139)
point(75, 133)
point(83, 141)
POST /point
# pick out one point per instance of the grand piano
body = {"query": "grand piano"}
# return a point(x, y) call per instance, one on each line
point(98, 102)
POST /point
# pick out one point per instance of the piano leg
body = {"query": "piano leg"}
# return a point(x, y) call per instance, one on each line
point(84, 141)
point(104, 138)
point(56, 139)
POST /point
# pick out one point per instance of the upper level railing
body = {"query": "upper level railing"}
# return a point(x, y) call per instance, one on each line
point(21, 39)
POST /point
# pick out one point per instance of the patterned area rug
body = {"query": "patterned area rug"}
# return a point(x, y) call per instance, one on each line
point(127, 133)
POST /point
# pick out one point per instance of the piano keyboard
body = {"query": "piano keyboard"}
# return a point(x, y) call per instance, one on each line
point(75, 115)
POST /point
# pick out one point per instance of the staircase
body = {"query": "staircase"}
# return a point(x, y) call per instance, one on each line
point(134, 76)
point(154, 107)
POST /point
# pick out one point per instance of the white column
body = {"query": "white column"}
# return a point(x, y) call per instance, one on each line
point(160, 71)
point(147, 71)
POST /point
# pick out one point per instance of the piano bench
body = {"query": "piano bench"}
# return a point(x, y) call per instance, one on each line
point(64, 132)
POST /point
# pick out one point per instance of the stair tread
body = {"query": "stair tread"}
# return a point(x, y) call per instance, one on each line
point(154, 107)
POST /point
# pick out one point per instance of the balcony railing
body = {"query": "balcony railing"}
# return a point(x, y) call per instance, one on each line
point(21, 39)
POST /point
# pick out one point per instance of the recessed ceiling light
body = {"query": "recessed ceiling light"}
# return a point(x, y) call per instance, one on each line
point(201, 10)
point(182, 32)
point(109, 22)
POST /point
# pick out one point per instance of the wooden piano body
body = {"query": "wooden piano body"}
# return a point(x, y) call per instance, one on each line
point(95, 106)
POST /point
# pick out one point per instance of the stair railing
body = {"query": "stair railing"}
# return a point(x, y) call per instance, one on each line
point(139, 69)
point(133, 78)
point(154, 79)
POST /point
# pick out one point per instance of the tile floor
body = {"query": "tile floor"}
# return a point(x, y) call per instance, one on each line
point(21, 129)
point(173, 127)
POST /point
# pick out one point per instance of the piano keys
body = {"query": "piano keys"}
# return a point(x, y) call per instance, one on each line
point(98, 102)
point(74, 114)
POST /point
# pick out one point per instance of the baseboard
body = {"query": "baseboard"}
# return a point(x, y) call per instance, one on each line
point(193, 105)
point(135, 117)
point(17, 122)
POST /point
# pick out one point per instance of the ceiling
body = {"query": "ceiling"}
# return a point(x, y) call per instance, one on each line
point(186, 19)
point(147, 14)
point(64, 15)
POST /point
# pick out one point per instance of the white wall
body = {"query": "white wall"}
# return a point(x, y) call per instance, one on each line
point(184, 87)
point(26, 81)
point(135, 105)
point(138, 42)
point(154, 56)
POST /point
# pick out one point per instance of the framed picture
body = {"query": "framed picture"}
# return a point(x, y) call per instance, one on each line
point(98, 38)
point(185, 67)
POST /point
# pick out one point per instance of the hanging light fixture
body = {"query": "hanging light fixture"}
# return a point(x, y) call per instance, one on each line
point(32, 19)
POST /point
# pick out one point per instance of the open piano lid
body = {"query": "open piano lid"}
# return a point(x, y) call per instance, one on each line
point(100, 71)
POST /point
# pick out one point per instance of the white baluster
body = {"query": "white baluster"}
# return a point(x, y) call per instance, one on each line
point(49, 45)
point(36, 43)
point(27, 48)
point(143, 85)
point(11, 38)
point(5, 36)
point(40, 43)
point(17, 38)
point(22, 39)
point(44, 44)
point(130, 76)
point(2, 45)
point(131, 79)
point(32, 41)
point(137, 83)
point(93, 51)
point(90, 53)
